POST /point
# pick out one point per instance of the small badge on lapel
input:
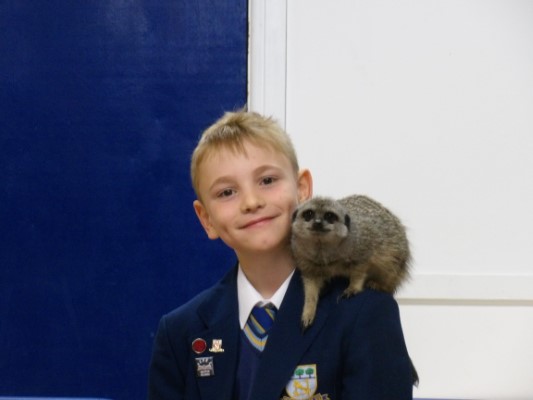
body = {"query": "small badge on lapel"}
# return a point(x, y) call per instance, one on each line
point(204, 366)
point(216, 346)
point(199, 345)
point(303, 383)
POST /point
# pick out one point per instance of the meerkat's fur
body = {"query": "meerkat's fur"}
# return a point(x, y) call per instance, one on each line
point(356, 238)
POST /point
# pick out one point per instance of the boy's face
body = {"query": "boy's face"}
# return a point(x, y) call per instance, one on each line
point(248, 199)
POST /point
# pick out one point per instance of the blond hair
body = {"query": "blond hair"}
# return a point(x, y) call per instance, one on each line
point(232, 131)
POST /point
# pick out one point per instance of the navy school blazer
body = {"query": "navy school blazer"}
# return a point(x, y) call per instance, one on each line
point(355, 348)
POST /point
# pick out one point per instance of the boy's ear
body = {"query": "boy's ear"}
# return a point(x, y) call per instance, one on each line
point(203, 216)
point(305, 185)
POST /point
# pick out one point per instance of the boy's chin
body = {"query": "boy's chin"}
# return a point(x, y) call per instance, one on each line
point(265, 248)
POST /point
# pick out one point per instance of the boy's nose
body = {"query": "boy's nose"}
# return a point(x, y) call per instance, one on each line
point(251, 201)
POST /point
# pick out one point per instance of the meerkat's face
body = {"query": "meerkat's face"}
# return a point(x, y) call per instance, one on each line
point(322, 220)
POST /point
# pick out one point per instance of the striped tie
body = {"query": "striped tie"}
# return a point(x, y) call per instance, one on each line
point(258, 325)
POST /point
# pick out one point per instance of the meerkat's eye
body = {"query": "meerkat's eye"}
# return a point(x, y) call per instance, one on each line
point(330, 217)
point(308, 215)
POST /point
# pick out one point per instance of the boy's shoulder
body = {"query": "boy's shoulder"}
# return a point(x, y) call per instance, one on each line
point(337, 286)
point(206, 300)
point(367, 301)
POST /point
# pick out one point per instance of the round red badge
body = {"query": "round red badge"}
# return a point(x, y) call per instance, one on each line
point(199, 346)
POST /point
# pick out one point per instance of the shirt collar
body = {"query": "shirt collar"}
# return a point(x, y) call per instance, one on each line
point(249, 297)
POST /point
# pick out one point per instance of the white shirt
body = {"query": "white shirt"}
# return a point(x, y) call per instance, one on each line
point(249, 297)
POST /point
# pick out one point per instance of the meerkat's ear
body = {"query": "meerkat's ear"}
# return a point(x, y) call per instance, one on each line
point(294, 214)
point(347, 221)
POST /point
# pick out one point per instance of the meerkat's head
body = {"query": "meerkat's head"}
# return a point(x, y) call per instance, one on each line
point(321, 220)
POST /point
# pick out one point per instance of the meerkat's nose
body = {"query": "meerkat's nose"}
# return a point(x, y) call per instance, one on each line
point(317, 224)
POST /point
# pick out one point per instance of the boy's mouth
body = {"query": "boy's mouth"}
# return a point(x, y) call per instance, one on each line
point(256, 222)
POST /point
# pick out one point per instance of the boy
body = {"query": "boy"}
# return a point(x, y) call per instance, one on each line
point(248, 183)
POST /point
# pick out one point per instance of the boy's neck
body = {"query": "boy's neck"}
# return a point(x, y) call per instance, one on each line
point(267, 274)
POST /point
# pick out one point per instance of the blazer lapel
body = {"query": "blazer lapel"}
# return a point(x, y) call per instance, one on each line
point(287, 342)
point(220, 314)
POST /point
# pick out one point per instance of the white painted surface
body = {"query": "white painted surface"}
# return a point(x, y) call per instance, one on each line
point(471, 351)
point(502, 288)
point(427, 106)
point(267, 61)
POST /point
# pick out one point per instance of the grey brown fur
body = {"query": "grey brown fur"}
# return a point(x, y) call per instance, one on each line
point(355, 237)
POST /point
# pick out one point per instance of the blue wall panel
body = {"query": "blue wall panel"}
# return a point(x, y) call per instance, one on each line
point(101, 104)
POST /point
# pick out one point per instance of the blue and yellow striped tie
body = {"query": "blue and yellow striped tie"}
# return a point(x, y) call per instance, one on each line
point(258, 325)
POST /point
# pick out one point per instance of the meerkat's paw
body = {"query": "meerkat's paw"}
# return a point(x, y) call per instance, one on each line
point(311, 293)
point(355, 286)
point(373, 285)
point(350, 292)
point(307, 321)
point(308, 314)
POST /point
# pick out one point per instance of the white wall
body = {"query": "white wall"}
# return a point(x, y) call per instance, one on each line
point(427, 106)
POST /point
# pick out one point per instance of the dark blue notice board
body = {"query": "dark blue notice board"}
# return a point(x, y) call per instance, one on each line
point(101, 104)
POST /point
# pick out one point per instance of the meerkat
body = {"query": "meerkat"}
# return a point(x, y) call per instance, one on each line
point(356, 238)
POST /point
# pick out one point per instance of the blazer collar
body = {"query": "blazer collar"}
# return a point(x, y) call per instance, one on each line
point(222, 302)
point(219, 312)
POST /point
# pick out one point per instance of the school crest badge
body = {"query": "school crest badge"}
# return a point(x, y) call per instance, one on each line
point(204, 366)
point(303, 383)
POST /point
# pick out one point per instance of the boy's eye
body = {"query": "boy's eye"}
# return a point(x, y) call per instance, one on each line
point(268, 180)
point(225, 193)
